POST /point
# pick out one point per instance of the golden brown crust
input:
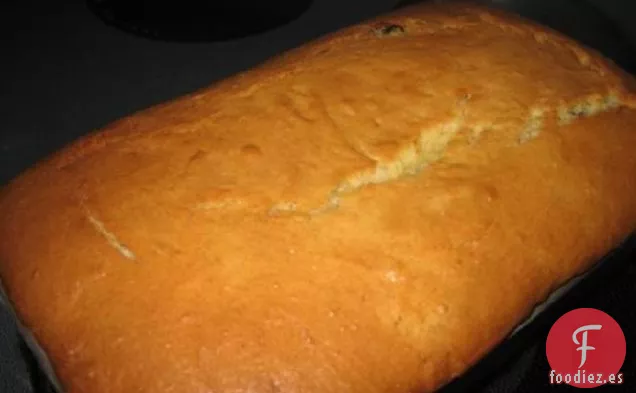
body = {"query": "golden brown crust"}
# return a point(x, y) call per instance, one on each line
point(371, 212)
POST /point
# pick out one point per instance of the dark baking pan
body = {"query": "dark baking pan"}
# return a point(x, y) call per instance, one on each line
point(505, 368)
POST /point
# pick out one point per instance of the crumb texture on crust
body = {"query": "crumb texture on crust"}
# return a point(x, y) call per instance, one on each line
point(371, 212)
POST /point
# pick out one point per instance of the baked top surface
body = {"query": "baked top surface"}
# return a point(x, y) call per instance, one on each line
point(368, 213)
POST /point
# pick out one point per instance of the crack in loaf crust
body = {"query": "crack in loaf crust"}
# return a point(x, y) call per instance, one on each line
point(371, 212)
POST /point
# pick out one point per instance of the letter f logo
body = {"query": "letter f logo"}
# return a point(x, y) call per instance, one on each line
point(583, 344)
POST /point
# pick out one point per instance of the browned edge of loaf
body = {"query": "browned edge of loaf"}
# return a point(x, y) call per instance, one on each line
point(434, 174)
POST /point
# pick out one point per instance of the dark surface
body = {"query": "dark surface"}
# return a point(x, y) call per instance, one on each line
point(198, 20)
point(66, 73)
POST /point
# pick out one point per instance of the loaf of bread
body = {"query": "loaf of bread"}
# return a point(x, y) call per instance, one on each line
point(372, 212)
